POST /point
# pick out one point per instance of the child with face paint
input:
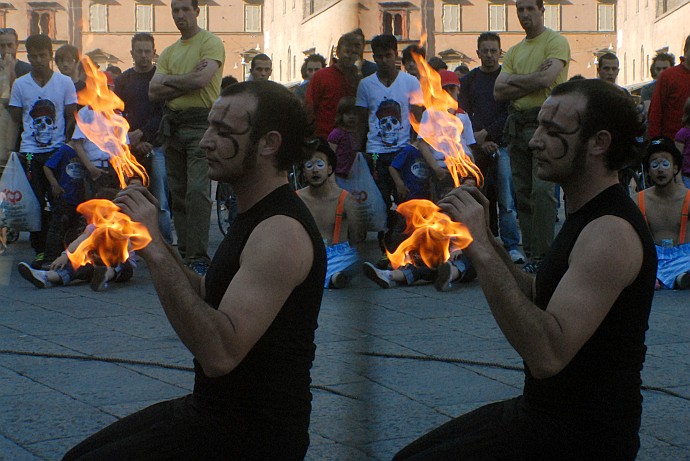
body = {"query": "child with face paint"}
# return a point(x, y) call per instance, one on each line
point(665, 208)
point(336, 214)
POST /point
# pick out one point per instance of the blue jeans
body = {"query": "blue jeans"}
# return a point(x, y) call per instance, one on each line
point(507, 216)
point(159, 189)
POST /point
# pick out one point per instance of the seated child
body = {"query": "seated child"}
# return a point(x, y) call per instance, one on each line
point(665, 208)
point(335, 213)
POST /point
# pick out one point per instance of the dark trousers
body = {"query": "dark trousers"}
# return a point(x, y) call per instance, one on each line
point(41, 187)
point(65, 225)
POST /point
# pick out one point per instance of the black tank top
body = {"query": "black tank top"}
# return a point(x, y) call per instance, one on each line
point(598, 392)
point(268, 392)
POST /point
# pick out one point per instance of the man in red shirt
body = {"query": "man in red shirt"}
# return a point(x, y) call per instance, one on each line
point(671, 92)
point(333, 83)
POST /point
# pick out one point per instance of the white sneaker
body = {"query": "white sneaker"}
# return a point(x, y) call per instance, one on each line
point(35, 276)
point(517, 256)
point(381, 277)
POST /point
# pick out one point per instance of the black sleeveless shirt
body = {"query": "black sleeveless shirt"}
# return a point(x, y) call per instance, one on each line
point(598, 392)
point(267, 395)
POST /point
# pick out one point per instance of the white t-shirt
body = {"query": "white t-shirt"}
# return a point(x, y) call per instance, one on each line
point(43, 111)
point(94, 152)
point(389, 110)
point(466, 137)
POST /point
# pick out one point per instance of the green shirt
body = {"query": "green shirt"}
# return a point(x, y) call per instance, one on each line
point(527, 56)
point(182, 57)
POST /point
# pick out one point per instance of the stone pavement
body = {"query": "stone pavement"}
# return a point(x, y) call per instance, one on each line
point(50, 401)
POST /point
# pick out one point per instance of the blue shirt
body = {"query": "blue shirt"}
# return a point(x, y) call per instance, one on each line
point(70, 173)
point(415, 172)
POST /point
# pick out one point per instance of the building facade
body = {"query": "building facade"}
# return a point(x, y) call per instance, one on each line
point(646, 27)
point(103, 28)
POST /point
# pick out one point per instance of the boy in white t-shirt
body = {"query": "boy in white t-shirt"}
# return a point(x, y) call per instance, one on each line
point(43, 102)
point(386, 99)
point(442, 180)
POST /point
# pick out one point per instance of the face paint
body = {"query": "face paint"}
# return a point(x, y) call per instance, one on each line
point(555, 130)
point(659, 164)
point(317, 164)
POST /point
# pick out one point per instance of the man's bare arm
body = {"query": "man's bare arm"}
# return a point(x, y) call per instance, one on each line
point(510, 87)
point(548, 339)
point(220, 339)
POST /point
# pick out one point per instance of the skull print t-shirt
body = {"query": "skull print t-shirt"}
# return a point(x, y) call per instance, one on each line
point(389, 111)
point(43, 111)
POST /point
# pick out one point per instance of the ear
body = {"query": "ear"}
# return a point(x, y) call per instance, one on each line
point(270, 143)
point(600, 143)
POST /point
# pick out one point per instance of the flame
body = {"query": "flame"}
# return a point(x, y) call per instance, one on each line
point(115, 232)
point(108, 129)
point(433, 235)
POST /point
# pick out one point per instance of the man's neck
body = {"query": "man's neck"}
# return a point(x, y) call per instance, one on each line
point(324, 190)
point(254, 187)
point(389, 79)
point(41, 78)
point(686, 64)
point(535, 32)
point(586, 187)
point(189, 33)
point(671, 190)
point(143, 70)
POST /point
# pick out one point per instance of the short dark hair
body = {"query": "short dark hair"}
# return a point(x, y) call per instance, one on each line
point(114, 70)
point(67, 51)
point(609, 109)
point(38, 42)
point(278, 110)
point(259, 57)
point(360, 33)
point(662, 57)
point(664, 144)
point(686, 47)
point(11, 31)
point(320, 145)
point(488, 36)
point(227, 81)
point(382, 43)
point(462, 68)
point(345, 105)
point(437, 63)
point(143, 37)
point(609, 56)
point(539, 3)
point(409, 49)
point(312, 58)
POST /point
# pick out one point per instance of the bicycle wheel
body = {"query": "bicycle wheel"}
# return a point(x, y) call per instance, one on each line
point(226, 206)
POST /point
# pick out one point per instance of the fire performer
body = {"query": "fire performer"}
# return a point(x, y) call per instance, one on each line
point(580, 324)
point(250, 321)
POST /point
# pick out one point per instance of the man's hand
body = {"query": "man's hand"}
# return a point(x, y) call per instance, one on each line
point(441, 173)
point(468, 205)
point(95, 173)
point(135, 137)
point(402, 191)
point(142, 149)
point(59, 262)
point(480, 136)
point(141, 206)
point(489, 147)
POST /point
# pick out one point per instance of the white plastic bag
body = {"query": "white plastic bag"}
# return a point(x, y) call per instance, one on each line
point(360, 184)
point(19, 204)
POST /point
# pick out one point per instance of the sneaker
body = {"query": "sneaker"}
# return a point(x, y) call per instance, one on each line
point(383, 263)
point(531, 268)
point(443, 275)
point(381, 277)
point(338, 280)
point(516, 256)
point(37, 277)
point(39, 261)
point(198, 267)
point(99, 279)
point(683, 281)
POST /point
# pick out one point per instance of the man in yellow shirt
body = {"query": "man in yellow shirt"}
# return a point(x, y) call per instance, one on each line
point(531, 69)
point(187, 78)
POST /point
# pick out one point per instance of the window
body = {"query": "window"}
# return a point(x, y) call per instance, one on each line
point(144, 17)
point(252, 18)
point(606, 19)
point(98, 17)
point(497, 17)
point(452, 17)
point(202, 19)
point(42, 22)
point(552, 16)
point(394, 22)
